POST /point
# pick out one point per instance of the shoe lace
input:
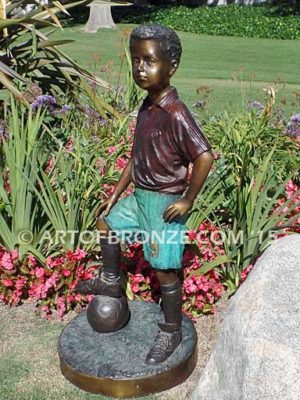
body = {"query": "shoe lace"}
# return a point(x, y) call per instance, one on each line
point(162, 341)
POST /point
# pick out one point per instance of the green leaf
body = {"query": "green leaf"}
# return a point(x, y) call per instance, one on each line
point(220, 260)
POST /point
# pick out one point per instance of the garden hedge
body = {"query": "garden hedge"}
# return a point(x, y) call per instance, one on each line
point(232, 20)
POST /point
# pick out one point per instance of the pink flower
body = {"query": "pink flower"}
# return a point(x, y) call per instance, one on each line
point(39, 272)
point(60, 301)
point(8, 282)
point(111, 149)
point(138, 278)
point(207, 254)
point(199, 305)
point(79, 254)
point(89, 297)
point(192, 235)
point(189, 286)
point(66, 272)
point(14, 255)
point(77, 297)
point(51, 282)
point(57, 261)
point(121, 163)
point(246, 271)
point(6, 261)
point(210, 297)
point(20, 283)
point(135, 288)
point(32, 261)
point(70, 298)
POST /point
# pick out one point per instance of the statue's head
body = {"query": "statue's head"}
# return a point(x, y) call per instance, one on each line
point(167, 38)
point(155, 55)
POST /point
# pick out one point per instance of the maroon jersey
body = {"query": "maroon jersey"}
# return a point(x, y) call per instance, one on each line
point(167, 139)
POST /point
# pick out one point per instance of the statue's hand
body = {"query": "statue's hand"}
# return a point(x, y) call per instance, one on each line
point(104, 208)
point(177, 209)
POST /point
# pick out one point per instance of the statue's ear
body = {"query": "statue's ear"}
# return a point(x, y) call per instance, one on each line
point(174, 66)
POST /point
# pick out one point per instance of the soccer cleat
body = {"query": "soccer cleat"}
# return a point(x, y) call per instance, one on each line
point(165, 343)
point(100, 286)
point(108, 282)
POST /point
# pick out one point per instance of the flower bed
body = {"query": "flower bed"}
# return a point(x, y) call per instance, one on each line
point(52, 286)
point(81, 169)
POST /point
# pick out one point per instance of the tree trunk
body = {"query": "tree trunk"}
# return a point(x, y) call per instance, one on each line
point(100, 17)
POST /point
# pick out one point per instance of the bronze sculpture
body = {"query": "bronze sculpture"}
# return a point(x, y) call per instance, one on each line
point(166, 140)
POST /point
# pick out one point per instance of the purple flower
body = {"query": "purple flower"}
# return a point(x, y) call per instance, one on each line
point(255, 106)
point(94, 139)
point(94, 118)
point(293, 126)
point(295, 118)
point(43, 101)
point(65, 109)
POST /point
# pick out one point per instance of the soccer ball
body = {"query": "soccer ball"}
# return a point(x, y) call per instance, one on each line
point(108, 314)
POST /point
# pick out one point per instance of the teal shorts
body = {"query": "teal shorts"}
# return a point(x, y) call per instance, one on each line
point(139, 218)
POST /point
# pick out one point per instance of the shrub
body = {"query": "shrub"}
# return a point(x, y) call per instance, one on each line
point(256, 159)
point(251, 135)
point(232, 20)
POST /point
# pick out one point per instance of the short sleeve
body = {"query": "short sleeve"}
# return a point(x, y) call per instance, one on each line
point(187, 134)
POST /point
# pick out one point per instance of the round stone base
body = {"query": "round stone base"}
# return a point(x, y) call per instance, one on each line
point(113, 364)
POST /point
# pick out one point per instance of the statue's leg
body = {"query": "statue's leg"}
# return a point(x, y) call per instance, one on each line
point(164, 251)
point(121, 220)
point(169, 336)
point(108, 281)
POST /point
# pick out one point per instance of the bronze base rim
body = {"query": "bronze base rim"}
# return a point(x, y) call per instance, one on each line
point(135, 387)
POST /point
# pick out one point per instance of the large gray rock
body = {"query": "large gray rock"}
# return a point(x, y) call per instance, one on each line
point(257, 356)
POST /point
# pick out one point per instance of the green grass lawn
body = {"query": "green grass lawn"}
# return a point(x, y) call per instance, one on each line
point(29, 363)
point(235, 70)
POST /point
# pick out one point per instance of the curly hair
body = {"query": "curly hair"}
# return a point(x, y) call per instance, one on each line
point(168, 39)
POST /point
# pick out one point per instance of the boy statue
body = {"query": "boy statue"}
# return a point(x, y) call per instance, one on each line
point(167, 139)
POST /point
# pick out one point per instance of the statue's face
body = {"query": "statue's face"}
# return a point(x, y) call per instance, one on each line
point(151, 68)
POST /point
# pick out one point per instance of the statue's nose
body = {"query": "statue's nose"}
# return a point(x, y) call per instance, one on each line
point(141, 66)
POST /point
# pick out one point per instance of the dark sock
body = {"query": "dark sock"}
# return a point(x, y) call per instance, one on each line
point(172, 302)
point(111, 257)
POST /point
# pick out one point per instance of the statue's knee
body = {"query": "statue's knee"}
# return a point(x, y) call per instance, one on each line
point(102, 226)
point(166, 277)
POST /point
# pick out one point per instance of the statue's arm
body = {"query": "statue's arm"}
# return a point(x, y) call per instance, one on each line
point(201, 167)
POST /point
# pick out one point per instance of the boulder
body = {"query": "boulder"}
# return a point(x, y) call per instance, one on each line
point(257, 356)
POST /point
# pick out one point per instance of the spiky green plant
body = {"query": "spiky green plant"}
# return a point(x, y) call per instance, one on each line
point(254, 219)
point(28, 55)
point(22, 220)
